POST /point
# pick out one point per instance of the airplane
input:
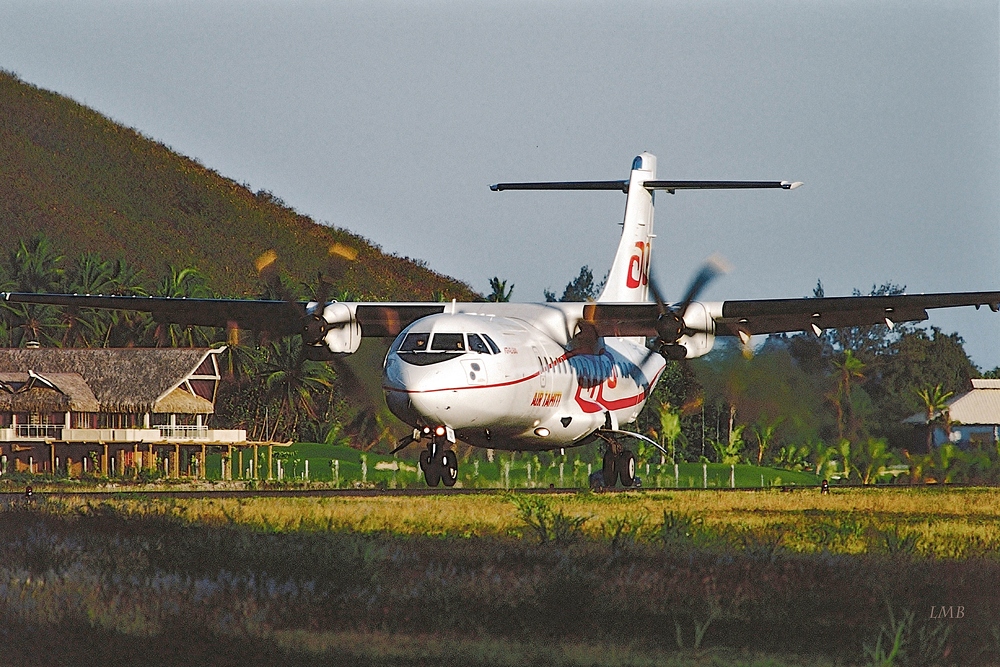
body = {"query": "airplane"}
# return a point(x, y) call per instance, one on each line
point(538, 376)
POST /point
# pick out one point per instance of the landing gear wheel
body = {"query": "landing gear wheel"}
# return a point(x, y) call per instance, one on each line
point(610, 469)
point(431, 467)
point(449, 468)
point(626, 468)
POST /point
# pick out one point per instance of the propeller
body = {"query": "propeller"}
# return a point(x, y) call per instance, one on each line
point(670, 324)
point(360, 390)
point(315, 326)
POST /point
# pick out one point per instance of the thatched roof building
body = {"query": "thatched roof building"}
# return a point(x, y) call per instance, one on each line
point(53, 392)
point(120, 380)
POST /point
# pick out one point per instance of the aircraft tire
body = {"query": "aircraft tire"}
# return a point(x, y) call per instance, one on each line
point(432, 474)
point(610, 469)
point(431, 468)
point(626, 468)
point(449, 468)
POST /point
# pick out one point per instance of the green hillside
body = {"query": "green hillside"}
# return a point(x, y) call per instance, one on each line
point(90, 184)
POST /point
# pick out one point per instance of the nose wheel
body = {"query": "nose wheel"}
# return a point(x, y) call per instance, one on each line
point(439, 465)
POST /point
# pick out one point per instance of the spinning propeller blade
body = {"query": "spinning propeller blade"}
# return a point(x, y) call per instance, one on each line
point(670, 323)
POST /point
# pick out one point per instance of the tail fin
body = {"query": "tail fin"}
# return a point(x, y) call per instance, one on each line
point(628, 280)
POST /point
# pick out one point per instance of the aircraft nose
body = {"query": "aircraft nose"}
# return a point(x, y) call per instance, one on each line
point(413, 391)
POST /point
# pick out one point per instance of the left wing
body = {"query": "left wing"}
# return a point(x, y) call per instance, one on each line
point(765, 316)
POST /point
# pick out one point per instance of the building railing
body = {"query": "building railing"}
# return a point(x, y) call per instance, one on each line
point(182, 431)
point(36, 431)
point(157, 433)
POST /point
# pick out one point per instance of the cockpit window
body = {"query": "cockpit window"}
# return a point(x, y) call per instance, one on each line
point(493, 346)
point(448, 342)
point(415, 342)
point(476, 344)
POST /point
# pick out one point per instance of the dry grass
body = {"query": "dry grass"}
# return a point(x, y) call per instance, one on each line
point(945, 522)
point(699, 578)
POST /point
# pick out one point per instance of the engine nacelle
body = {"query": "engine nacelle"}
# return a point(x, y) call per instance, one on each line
point(344, 334)
point(698, 317)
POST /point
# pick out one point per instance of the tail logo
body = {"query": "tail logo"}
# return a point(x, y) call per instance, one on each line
point(638, 266)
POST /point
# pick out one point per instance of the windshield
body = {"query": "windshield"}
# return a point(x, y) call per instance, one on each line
point(476, 344)
point(448, 342)
point(415, 342)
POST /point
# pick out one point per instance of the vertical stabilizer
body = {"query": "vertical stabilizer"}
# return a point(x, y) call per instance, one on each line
point(628, 280)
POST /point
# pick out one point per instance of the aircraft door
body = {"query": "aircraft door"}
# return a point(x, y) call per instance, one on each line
point(541, 366)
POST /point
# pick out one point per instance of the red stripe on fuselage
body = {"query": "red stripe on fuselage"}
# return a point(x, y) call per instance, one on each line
point(599, 401)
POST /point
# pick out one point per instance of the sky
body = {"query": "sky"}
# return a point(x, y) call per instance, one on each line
point(391, 119)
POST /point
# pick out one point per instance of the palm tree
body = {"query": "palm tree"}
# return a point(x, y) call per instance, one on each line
point(936, 409)
point(849, 368)
point(33, 266)
point(126, 328)
point(294, 381)
point(501, 293)
point(764, 431)
point(89, 275)
point(183, 283)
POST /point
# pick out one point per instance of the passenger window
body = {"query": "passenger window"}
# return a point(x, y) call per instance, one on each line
point(415, 342)
point(493, 346)
point(448, 342)
point(476, 344)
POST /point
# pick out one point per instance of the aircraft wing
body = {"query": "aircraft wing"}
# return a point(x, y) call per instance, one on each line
point(279, 317)
point(273, 316)
point(765, 316)
point(731, 318)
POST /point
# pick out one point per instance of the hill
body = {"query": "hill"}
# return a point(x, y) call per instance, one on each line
point(90, 184)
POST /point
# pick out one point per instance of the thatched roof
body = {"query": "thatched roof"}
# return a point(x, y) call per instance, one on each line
point(130, 380)
point(53, 392)
point(184, 402)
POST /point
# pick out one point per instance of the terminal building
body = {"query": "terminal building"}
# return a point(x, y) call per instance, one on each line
point(112, 412)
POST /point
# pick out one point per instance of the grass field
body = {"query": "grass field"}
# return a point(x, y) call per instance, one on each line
point(344, 467)
point(665, 578)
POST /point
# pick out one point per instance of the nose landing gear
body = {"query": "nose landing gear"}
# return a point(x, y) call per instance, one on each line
point(439, 465)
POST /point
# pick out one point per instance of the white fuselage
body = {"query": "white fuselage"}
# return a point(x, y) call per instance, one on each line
point(501, 382)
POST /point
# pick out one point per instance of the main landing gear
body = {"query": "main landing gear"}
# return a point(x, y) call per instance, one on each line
point(439, 465)
point(619, 465)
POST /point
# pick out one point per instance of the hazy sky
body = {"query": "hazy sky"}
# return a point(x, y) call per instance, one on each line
point(392, 118)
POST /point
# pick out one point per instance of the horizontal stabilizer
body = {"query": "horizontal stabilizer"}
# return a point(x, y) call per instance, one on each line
point(669, 186)
point(621, 186)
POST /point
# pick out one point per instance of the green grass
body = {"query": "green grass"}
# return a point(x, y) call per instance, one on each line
point(523, 470)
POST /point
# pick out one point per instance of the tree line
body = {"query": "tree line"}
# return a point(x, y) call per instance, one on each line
point(267, 387)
